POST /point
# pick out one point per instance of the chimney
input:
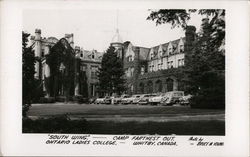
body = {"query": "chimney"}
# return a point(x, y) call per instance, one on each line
point(38, 34)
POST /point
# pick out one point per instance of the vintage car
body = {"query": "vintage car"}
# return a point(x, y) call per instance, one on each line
point(137, 98)
point(117, 100)
point(107, 100)
point(156, 99)
point(145, 99)
point(99, 101)
point(171, 98)
point(185, 99)
point(129, 100)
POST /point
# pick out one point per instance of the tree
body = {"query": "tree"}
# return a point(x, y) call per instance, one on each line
point(28, 71)
point(180, 18)
point(205, 63)
point(111, 73)
point(61, 61)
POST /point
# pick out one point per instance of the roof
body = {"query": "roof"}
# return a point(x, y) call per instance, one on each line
point(165, 46)
point(87, 55)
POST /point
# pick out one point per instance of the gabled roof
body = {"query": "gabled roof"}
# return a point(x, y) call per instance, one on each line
point(87, 55)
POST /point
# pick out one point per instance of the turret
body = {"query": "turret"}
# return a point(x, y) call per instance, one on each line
point(117, 44)
point(38, 49)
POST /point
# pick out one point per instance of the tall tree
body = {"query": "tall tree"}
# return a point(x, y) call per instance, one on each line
point(180, 18)
point(205, 63)
point(61, 62)
point(28, 71)
point(111, 73)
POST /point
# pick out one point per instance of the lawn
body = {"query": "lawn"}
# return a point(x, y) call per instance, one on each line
point(124, 119)
point(91, 109)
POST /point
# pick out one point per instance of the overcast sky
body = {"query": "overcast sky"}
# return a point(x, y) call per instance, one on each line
point(94, 29)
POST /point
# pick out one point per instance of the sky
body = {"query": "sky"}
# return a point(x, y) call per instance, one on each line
point(94, 29)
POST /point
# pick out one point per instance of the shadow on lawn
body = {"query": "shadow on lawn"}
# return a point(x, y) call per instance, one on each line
point(63, 124)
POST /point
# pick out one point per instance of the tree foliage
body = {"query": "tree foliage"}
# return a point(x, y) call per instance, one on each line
point(180, 18)
point(62, 55)
point(205, 63)
point(111, 73)
point(28, 71)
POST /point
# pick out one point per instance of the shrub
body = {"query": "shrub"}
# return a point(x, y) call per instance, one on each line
point(210, 98)
point(55, 124)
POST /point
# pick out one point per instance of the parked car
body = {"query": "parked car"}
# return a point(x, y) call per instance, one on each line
point(137, 99)
point(155, 100)
point(99, 101)
point(117, 100)
point(92, 100)
point(171, 98)
point(107, 100)
point(185, 99)
point(129, 100)
point(145, 99)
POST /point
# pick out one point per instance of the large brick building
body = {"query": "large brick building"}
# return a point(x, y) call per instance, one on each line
point(86, 65)
point(147, 70)
point(155, 69)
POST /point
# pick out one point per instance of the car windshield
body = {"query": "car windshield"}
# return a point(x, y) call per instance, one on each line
point(166, 94)
point(178, 94)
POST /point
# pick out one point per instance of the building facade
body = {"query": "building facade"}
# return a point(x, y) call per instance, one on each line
point(53, 75)
point(156, 69)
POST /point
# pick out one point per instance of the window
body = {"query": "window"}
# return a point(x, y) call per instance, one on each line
point(160, 53)
point(152, 55)
point(181, 48)
point(82, 68)
point(93, 55)
point(170, 51)
point(130, 58)
point(81, 55)
point(94, 72)
point(170, 64)
point(180, 62)
point(42, 55)
point(132, 71)
point(142, 70)
point(160, 65)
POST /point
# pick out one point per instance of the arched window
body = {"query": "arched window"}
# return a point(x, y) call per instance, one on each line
point(170, 84)
point(150, 87)
point(141, 88)
point(158, 86)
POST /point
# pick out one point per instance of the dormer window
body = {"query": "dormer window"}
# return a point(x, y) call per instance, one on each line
point(170, 50)
point(130, 58)
point(160, 53)
point(93, 55)
point(81, 55)
point(181, 48)
point(152, 55)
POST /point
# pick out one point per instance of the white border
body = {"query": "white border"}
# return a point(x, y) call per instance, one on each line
point(13, 142)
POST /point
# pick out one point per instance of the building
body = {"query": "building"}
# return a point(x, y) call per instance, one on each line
point(155, 69)
point(80, 74)
point(147, 70)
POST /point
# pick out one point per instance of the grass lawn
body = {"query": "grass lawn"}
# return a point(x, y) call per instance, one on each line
point(86, 109)
point(107, 119)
